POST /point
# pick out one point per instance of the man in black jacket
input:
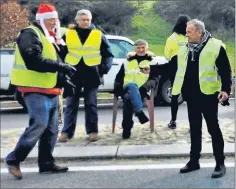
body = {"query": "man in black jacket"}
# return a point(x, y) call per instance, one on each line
point(89, 52)
point(204, 78)
point(133, 82)
point(35, 72)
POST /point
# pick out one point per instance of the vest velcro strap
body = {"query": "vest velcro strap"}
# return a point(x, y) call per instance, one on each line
point(209, 79)
point(19, 66)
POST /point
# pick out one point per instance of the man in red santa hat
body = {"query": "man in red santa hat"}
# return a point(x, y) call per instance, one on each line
point(35, 73)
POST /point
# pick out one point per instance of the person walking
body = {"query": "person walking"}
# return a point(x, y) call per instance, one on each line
point(35, 73)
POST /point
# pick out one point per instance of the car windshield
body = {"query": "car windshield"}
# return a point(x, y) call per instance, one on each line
point(120, 48)
point(7, 51)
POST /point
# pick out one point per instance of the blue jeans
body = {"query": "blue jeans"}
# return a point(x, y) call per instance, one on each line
point(43, 126)
point(72, 107)
point(134, 96)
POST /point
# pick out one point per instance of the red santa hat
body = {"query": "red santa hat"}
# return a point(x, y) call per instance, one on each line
point(46, 11)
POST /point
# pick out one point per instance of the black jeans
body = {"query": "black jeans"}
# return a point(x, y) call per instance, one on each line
point(128, 111)
point(72, 107)
point(174, 107)
point(205, 106)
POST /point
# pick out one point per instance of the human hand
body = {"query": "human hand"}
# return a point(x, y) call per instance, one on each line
point(66, 68)
point(145, 70)
point(222, 96)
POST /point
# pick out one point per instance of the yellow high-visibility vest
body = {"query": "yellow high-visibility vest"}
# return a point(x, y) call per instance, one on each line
point(174, 44)
point(21, 76)
point(209, 79)
point(90, 50)
point(133, 73)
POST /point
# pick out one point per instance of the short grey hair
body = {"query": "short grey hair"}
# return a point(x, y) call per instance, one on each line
point(83, 12)
point(199, 25)
point(140, 42)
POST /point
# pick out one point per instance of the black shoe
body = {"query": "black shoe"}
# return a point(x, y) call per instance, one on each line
point(172, 125)
point(219, 171)
point(52, 168)
point(142, 117)
point(190, 166)
point(126, 134)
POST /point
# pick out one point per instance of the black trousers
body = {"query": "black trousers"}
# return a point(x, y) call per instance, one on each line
point(72, 108)
point(205, 106)
point(174, 107)
point(127, 122)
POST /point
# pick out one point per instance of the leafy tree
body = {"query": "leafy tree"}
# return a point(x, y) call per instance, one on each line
point(112, 16)
point(14, 17)
point(218, 16)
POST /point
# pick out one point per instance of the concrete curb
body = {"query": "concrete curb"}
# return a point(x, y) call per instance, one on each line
point(102, 102)
point(124, 152)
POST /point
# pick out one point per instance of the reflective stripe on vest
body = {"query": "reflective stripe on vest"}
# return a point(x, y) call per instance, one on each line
point(208, 76)
point(90, 50)
point(21, 76)
point(133, 73)
point(180, 40)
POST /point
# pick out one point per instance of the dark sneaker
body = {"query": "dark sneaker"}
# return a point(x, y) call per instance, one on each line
point(126, 134)
point(14, 170)
point(172, 125)
point(52, 168)
point(190, 166)
point(142, 117)
point(219, 171)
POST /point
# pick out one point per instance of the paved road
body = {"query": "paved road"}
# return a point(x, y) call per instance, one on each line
point(19, 119)
point(124, 174)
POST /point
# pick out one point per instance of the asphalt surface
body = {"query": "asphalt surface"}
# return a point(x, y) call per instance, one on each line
point(145, 173)
point(19, 119)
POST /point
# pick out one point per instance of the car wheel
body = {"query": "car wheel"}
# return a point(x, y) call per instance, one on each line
point(20, 100)
point(165, 93)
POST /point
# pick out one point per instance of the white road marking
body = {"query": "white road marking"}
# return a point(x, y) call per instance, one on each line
point(124, 167)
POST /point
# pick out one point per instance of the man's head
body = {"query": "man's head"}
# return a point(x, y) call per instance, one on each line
point(47, 17)
point(195, 30)
point(141, 47)
point(83, 18)
point(50, 24)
